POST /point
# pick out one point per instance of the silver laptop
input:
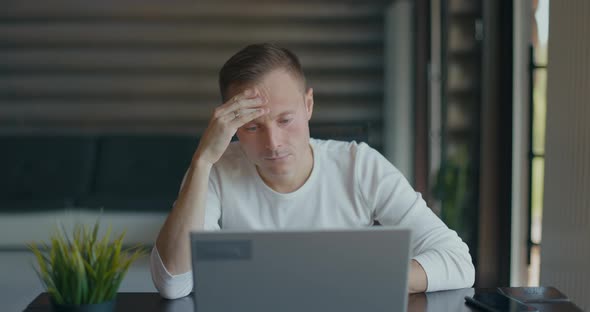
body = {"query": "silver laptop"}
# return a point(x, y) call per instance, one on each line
point(328, 270)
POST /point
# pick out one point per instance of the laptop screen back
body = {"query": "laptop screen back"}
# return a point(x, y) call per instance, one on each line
point(329, 270)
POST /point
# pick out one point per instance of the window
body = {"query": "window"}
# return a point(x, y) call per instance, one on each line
point(538, 72)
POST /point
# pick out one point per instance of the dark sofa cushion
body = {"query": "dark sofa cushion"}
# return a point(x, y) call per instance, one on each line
point(139, 172)
point(44, 172)
point(114, 172)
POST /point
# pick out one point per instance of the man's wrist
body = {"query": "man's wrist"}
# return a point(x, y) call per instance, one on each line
point(418, 281)
point(201, 164)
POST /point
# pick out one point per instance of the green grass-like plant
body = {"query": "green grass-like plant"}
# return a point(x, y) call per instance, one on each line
point(84, 269)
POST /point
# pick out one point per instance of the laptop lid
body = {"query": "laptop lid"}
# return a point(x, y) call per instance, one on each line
point(329, 270)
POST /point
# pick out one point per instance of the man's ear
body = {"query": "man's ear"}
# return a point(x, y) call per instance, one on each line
point(309, 103)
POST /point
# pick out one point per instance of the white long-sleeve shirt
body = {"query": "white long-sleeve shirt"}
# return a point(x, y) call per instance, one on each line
point(350, 185)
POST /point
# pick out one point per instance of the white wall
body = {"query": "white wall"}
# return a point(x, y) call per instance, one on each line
point(565, 247)
point(19, 229)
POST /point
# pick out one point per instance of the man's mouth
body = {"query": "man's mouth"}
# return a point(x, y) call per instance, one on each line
point(278, 157)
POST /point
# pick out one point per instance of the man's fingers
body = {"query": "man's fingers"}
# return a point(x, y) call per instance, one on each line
point(241, 107)
point(248, 104)
point(246, 111)
point(242, 100)
point(246, 115)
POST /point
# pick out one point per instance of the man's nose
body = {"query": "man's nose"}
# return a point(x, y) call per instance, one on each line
point(272, 138)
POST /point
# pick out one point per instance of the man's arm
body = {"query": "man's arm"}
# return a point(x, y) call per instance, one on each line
point(188, 213)
point(440, 259)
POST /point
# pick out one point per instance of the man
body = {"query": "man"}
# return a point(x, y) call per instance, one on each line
point(276, 177)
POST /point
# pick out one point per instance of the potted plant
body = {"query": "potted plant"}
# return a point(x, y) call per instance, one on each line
point(83, 272)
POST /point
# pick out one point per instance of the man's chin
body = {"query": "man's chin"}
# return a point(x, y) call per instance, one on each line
point(277, 170)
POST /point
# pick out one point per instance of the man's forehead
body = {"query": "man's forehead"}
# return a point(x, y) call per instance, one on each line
point(280, 113)
point(274, 114)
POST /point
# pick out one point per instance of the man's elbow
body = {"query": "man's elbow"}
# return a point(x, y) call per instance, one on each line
point(462, 275)
point(169, 286)
point(469, 275)
point(171, 293)
point(173, 287)
point(466, 269)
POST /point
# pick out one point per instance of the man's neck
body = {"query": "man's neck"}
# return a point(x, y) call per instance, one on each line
point(292, 182)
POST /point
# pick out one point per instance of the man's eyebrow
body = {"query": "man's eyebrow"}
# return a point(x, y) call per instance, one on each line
point(256, 122)
point(286, 113)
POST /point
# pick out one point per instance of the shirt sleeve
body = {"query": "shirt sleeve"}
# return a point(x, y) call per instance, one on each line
point(176, 286)
point(439, 250)
point(169, 286)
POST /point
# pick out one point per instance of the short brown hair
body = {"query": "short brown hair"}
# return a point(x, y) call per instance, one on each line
point(251, 63)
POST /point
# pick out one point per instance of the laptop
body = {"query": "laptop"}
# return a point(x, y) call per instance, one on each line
point(293, 271)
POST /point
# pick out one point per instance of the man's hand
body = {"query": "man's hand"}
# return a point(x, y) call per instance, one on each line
point(224, 123)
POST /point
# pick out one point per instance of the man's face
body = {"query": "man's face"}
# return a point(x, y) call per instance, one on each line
point(278, 142)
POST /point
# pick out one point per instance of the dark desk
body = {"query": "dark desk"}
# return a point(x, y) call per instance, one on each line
point(435, 301)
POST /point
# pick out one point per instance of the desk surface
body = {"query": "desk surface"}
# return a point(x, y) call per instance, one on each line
point(452, 300)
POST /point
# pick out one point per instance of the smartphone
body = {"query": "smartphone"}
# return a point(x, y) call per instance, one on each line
point(496, 302)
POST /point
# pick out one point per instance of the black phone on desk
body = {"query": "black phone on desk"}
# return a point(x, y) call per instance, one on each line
point(496, 302)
